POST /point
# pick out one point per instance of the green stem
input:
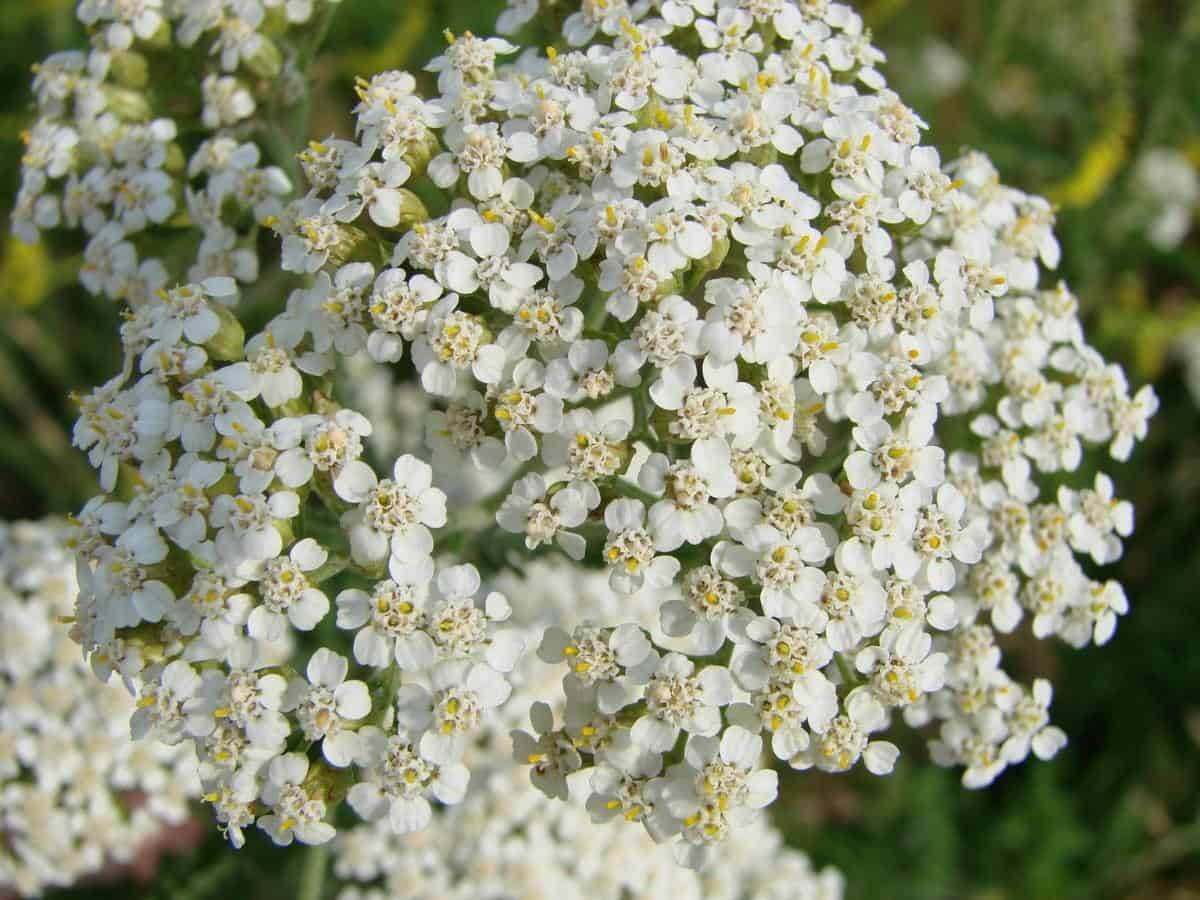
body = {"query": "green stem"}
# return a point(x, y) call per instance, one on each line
point(628, 489)
point(312, 876)
point(283, 138)
point(849, 676)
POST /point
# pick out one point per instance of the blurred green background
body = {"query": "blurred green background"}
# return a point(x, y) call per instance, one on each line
point(1066, 98)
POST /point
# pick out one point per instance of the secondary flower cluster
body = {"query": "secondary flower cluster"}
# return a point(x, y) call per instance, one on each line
point(75, 792)
point(204, 572)
point(744, 345)
point(507, 833)
point(165, 175)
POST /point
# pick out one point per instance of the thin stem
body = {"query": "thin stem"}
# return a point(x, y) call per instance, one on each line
point(312, 876)
point(628, 489)
point(283, 138)
point(849, 676)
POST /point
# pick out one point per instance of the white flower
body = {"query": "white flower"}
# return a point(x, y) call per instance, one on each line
point(398, 783)
point(522, 408)
point(171, 707)
point(758, 324)
point(901, 667)
point(333, 445)
point(295, 813)
point(629, 550)
point(686, 513)
point(611, 660)
point(847, 739)
point(455, 341)
point(247, 524)
point(527, 510)
point(710, 607)
point(334, 308)
point(460, 693)
point(328, 706)
point(1030, 728)
point(399, 306)
point(590, 449)
point(396, 514)
point(720, 785)
point(287, 594)
point(549, 757)
point(678, 699)
point(1097, 521)
point(896, 455)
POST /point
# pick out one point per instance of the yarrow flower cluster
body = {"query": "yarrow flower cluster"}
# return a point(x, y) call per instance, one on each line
point(154, 169)
point(75, 792)
point(742, 343)
point(508, 833)
point(200, 583)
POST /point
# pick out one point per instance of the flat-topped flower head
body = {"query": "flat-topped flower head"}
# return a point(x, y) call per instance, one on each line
point(689, 292)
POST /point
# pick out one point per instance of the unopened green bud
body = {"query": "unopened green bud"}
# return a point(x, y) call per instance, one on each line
point(228, 344)
point(762, 156)
point(161, 37)
point(419, 153)
point(284, 527)
point(702, 267)
point(412, 210)
point(130, 70)
point(294, 408)
point(132, 106)
point(266, 61)
point(175, 161)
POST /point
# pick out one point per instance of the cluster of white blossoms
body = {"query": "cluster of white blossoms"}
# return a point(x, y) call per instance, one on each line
point(742, 343)
point(243, 535)
point(155, 143)
point(506, 836)
point(75, 792)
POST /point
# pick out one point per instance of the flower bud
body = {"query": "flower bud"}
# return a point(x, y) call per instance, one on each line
point(130, 70)
point(175, 161)
point(419, 153)
point(229, 341)
point(130, 105)
point(266, 61)
point(412, 210)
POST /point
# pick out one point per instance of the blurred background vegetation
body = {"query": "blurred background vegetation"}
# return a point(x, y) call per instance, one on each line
point(1067, 98)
